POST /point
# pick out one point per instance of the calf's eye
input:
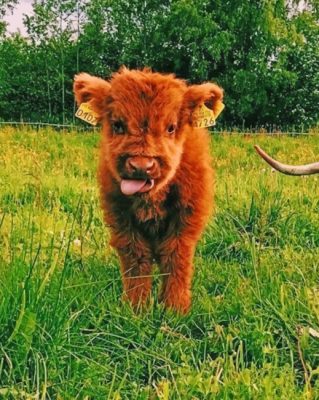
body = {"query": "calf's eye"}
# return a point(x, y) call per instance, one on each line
point(118, 127)
point(171, 129)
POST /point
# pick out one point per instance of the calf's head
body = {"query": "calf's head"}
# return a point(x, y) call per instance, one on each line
point(146, 118)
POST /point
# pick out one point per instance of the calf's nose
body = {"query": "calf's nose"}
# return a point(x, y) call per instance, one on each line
point(144, 164)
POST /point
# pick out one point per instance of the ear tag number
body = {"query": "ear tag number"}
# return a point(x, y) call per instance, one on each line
point(86, 113)
point(205, 117)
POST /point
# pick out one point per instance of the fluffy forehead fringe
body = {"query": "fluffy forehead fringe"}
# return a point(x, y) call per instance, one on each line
point(147, 80)
point(134, 91)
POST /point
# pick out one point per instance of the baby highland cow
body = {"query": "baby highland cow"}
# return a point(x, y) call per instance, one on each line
point(155, 176)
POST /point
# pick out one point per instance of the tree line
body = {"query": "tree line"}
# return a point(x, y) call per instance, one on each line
point(264, 53)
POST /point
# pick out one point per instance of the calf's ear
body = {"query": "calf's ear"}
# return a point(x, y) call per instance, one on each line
point(88, 88)
point(195, 95)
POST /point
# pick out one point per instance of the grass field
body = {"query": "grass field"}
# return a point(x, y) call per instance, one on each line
point(64, 332)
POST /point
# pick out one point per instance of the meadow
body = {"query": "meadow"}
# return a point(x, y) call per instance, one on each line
point(253, 332)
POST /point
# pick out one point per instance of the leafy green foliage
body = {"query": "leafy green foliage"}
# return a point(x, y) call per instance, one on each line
point(264, 53)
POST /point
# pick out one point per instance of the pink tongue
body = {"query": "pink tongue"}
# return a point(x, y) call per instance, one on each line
point(131, 186)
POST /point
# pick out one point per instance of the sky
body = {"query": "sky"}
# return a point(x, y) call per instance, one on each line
point(15, 19)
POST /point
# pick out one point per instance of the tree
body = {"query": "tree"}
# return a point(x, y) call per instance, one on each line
point(6, 6)
point(264, 53)
point(50, 29)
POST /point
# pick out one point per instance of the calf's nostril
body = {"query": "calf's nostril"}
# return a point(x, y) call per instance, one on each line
point(142, 164)
point(150, 166)
point(132, 165)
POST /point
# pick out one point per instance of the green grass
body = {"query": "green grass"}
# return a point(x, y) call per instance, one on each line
point(64, 331)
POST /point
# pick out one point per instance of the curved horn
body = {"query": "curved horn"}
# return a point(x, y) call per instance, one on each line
point(307, 169)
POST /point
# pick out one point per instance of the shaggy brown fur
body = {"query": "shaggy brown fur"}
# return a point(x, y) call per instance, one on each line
point(155, 176)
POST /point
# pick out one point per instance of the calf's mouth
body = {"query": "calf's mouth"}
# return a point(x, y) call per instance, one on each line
point(133, 186)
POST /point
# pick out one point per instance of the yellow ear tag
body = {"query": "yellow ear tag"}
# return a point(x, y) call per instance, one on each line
point(205, 117)
point(218, 108)
point(86, 113)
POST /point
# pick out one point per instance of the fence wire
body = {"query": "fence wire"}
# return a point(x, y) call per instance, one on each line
point(217, 129)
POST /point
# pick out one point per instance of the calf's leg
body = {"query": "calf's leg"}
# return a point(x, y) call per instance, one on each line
point(176, 261)
point(136, 268)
